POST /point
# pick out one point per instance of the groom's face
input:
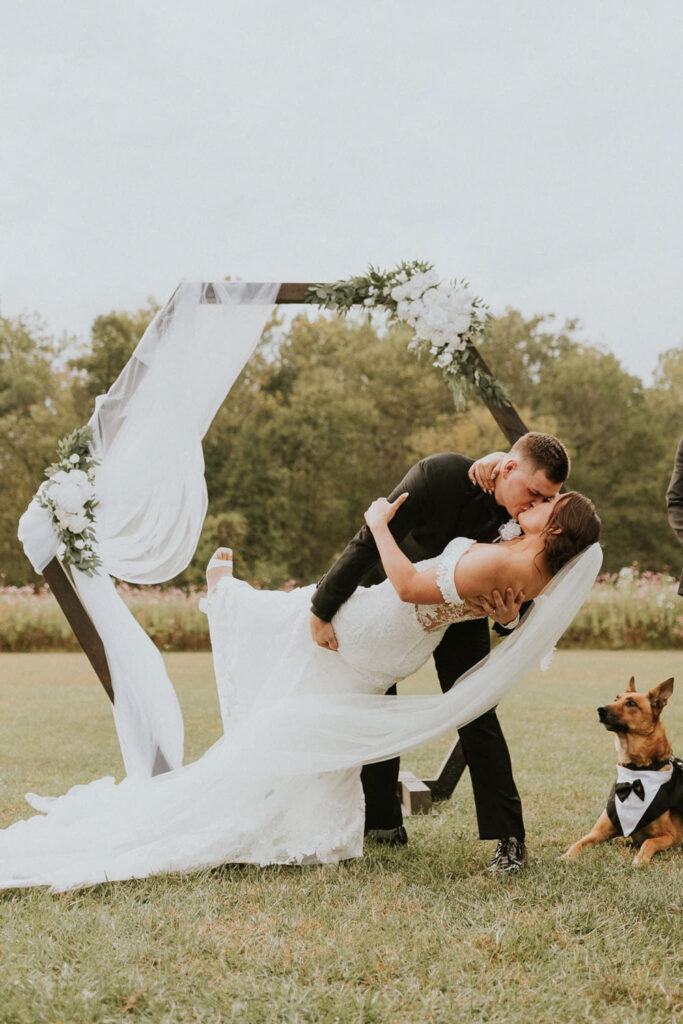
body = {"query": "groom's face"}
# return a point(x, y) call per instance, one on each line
point(520, 486)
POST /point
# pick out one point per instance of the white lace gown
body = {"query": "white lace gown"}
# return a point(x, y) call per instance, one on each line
point(288, 707)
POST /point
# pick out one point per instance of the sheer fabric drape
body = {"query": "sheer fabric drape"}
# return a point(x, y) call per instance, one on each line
point(147, 433)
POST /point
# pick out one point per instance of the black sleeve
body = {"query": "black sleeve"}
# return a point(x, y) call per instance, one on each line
point(503, 630)
point(674, 495)
point(360, 554)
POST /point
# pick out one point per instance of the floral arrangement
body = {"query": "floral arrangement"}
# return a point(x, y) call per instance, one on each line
point(446, 319)
point(69, 496)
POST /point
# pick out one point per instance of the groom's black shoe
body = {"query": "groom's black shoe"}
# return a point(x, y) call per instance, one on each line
point(510, 856)
point(388, 836)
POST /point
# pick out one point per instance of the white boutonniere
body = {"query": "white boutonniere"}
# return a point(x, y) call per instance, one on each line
point(510, 530)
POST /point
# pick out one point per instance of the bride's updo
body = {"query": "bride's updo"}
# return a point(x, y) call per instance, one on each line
point(575, 516)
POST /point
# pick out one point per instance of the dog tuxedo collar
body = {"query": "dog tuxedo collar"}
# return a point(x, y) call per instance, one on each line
point(638, 797)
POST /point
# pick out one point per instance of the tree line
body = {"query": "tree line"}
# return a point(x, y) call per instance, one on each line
point(330, 412)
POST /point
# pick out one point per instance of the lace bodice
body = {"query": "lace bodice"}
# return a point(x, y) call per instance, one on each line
point(387, 638)
point(438, 616)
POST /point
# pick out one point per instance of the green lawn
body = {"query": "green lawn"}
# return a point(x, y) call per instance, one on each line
point(419, 934)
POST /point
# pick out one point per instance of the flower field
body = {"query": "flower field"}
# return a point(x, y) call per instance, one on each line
point(626, 610)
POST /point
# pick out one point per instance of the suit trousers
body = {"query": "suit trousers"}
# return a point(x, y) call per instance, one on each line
point(496, 799)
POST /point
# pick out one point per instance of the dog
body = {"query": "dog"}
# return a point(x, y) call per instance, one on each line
point(646, 801)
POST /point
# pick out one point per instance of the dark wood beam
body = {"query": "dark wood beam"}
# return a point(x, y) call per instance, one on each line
point(79, 620)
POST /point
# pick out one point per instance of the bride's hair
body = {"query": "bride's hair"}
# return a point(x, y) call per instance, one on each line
point(575, 516)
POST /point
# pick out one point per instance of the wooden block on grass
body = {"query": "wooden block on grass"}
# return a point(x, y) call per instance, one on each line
point(416, 798)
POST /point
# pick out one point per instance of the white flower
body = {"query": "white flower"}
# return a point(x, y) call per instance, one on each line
point(76, 523)
point(77, 476)
point(80, 544)
point(74, 458)
point(444, 360)
point(61, 550)
point(368, 302)
point(70, 493)
point(510, 530)
point(402, 277)
point(460, 322)
point(68, 498)
point(398, 293)
point(434, 316)
point(422, 330)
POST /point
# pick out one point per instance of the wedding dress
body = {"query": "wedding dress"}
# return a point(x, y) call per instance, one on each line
point(283, 783)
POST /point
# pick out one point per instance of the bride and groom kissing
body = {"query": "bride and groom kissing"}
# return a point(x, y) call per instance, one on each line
point(419, 580)
point(449, 496)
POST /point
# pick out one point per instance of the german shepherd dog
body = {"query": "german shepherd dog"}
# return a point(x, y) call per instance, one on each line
point(647, 799)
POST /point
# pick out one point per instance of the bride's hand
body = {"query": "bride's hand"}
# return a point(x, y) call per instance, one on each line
point(382, 511)
point(484, 471)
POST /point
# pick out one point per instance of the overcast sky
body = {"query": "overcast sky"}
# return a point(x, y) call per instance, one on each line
point(533, 146)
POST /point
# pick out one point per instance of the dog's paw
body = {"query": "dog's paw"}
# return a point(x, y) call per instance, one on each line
point(570, 854)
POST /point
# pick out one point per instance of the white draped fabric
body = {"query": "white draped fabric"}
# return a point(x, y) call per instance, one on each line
point(147, 433)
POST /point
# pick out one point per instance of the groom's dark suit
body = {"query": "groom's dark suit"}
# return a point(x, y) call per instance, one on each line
point(442, 504)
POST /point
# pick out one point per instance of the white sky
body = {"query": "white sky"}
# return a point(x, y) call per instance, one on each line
point(533, 146)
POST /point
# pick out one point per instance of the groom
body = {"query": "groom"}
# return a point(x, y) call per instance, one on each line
point(444, 503)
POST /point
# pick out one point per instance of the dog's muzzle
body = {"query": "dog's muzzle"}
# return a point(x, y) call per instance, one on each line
point(610, 721)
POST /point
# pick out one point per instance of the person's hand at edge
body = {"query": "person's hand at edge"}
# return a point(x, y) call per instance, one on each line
point(323, 633)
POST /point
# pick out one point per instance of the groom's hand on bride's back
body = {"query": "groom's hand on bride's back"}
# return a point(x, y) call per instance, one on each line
point(502, 608)
point(323, 633)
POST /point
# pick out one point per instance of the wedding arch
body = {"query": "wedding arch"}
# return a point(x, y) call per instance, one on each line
point(182, 365)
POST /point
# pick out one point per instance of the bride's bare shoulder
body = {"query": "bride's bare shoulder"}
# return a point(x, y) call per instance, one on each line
point(487, 567)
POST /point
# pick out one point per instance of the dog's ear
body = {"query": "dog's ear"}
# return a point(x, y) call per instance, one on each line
point(631, 688)
point(659, 695)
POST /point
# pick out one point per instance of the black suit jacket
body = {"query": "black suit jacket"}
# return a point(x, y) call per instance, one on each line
point(441, 504)
point(674, 500)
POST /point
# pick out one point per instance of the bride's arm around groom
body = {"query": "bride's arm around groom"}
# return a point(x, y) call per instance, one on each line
point(444, 503)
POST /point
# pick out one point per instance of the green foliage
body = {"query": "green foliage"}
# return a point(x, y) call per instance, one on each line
point(36, 408)
point(331, 412)
point(112, 340)
point(375, 287)
point(621, 436)
point(310, 433)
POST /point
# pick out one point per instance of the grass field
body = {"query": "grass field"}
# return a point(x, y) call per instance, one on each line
point(421, 934)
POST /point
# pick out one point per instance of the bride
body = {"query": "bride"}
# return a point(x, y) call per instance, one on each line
point(283, 783)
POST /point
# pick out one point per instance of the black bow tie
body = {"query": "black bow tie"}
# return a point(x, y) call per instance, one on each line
point(622, 789)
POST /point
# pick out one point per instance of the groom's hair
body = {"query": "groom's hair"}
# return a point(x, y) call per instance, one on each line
point(543, 451)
